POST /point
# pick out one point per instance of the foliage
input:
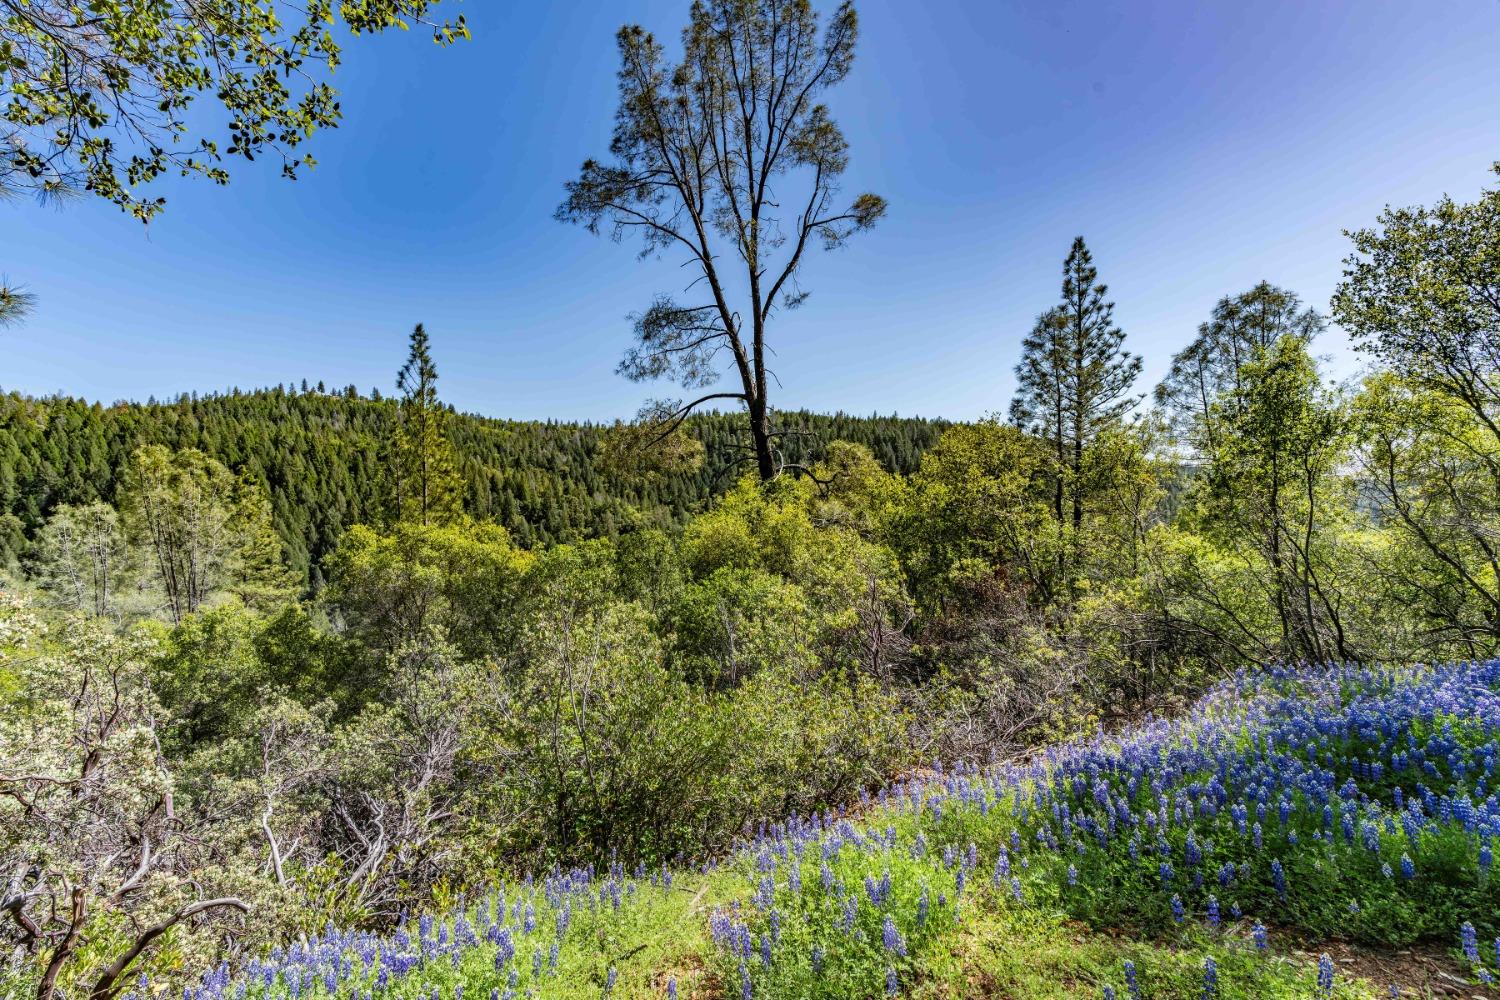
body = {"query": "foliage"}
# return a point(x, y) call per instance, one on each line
point(1429, 468)
point(460, 581)
point(81, 559)
point(1300, 793)
point(103, 851)
point(1422, 294)
point(100, 98)
point(202, 531)
point(1273, 485)
point(319, 456)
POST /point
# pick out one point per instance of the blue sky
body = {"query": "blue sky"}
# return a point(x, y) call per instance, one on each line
point(1198, 146)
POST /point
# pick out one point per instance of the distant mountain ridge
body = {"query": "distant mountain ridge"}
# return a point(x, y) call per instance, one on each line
point(321, 456)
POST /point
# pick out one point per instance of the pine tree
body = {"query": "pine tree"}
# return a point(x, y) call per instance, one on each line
point(1074, 384)
point(424, 468)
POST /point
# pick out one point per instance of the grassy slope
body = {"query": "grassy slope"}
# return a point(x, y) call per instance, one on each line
point(1000, 883)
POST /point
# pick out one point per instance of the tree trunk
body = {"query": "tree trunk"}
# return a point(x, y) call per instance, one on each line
point(760, 438)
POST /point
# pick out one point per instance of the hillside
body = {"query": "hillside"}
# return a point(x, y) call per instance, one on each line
point(321, 456)
point(1330, 803)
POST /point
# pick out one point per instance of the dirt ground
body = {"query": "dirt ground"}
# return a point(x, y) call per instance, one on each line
point(1419, 971)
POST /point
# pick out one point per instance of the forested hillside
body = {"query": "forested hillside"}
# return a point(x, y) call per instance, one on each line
point(324, 458)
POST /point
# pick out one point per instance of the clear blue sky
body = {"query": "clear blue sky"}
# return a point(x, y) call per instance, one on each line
point(1198, 146)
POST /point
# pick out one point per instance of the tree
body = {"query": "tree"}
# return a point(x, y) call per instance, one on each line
point(82, 558)
point(1074, 382)
point(100, 97)
point(700, 152)
point(1207, 371)
point(461, 582)
point(204, 530)
point(1274, 485)
point(424, 474)
point(104, 854)
point(1422, 294)
point(1431, 471)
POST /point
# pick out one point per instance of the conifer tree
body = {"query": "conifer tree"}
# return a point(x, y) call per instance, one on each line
point(424, 468)
point(1074, 382)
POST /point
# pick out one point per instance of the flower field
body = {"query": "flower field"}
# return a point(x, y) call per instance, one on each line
point(1341, 802)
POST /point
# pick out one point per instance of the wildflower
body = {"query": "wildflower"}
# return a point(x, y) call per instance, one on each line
point(1176, 909)
point(892, 983)
point(1470, 940)
point(1278, 879)
point(1325, 975)
point(1213, 911)
point(1210, 978)
point(1258, 932)
point(892, 939)
point(1132, 988)
point(1408, 867)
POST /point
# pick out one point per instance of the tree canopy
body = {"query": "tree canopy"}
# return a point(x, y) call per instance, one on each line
point(102, 98)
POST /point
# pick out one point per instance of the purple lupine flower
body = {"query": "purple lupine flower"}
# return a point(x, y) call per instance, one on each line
point(1470, 941)
point(891, 937)
point(1132, 987)
point(1210, 978)
point(892, 983)
point(1325, 975)
point(1259, 933)
point(1177, 912)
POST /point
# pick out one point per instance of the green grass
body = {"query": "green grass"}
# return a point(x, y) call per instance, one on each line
point(995, 950)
